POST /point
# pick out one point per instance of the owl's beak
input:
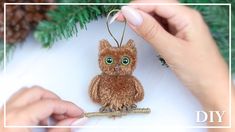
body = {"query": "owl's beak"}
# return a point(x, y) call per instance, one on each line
point(117, 68)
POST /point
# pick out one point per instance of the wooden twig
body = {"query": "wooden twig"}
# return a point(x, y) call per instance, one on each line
point(118, 113)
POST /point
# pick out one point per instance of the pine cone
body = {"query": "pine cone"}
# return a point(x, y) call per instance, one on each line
point(21, 19)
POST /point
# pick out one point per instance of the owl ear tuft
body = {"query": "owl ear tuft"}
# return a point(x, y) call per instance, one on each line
point(131, 45)
point(104, 44)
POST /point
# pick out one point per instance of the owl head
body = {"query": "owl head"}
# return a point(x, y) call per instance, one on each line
point(117, 60)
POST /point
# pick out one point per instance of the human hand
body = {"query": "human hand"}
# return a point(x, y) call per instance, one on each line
point(34, 106)
point(180, 35)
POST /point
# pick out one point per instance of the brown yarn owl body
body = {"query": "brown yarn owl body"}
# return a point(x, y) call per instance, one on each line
point(116, 89)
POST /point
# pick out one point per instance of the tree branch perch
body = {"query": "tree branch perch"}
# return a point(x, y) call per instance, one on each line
point(118, 113)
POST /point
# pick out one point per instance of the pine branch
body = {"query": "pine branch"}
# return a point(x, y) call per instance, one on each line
point(63, 20)
point(1, 53)
point(118, 113)
point(9, 50)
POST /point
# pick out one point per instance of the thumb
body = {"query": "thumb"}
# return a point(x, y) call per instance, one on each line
point(69, 122)
point(148, 28)
point(66, 122)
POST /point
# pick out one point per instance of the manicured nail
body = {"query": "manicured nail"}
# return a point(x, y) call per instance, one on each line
point(80, 121)
point(132, 15)
point(114, 18)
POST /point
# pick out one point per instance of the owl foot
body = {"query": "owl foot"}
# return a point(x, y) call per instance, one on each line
point(133, 106)
point(128, 108)
point(106, 109)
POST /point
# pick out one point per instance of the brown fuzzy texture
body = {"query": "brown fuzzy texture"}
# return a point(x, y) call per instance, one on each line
point(116, 88)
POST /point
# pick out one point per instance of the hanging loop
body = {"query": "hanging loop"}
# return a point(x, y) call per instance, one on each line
point(124, 29)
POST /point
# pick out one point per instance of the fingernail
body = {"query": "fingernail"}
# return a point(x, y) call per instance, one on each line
point(132, 15)
point(80, 121)
point(114, 18)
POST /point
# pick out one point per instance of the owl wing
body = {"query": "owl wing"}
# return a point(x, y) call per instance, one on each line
point(93, 89)
point(139, 90)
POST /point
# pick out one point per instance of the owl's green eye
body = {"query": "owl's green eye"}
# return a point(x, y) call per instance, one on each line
point(125, 60)
point(109, 60)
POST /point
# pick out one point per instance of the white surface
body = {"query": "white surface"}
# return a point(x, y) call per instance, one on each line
point(68, 67)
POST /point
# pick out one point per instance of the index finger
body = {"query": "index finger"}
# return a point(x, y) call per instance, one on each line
point(151, 7)
point(176, 15)
point(29, 95)
point(43, 109)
